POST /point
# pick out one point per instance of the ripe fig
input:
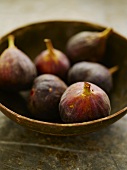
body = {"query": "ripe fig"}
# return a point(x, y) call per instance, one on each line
point(87, 45)
point(44, 98)
point(52, 61)
point(83, 101)
point(92, 72)
point(17, 71)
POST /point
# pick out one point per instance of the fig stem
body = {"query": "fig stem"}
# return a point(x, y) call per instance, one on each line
point(112, 70)
point(86, 90)
point(49, 45)
point(106, 32)
point(11, 39)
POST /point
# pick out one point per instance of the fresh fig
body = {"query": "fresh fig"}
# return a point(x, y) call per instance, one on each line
point(83, 101)
point(88, 46)
point(52, 61)
point(17, 71)
point(44, 98)
point(92, 72)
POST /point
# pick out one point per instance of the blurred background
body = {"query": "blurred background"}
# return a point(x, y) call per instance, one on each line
point(15, 13)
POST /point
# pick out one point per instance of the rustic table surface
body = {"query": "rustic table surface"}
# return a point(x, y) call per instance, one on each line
point(23, 149)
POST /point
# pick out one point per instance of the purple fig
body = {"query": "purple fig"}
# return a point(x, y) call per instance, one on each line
point(88, 45)
point(83, 101)
point(44, 98)
point(17, 71)
point(52, 61)
point(92, 72)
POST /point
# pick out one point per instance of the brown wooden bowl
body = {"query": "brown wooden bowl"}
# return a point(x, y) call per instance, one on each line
point(30, 40)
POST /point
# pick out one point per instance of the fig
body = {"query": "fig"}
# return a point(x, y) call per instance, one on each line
point(43, 102)
point(95, 73)
point(17, 71)
point(52, 61)
point(82, 102)
point(88, 46)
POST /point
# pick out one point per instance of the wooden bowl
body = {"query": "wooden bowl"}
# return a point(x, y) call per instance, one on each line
point(30, 40)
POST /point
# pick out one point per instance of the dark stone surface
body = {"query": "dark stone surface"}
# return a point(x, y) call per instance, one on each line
point(23, 149)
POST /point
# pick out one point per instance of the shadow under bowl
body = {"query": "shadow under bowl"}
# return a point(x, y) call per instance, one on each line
point(30, 40)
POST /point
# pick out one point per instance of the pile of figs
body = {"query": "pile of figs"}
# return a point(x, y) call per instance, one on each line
point(69, 87)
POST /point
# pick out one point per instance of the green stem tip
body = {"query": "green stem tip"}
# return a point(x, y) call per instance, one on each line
point(11, 39)
point(49, 45)
point(106, 32)
point(86, 90)
point(112, 70)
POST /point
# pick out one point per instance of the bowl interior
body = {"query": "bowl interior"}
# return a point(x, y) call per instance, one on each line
point(30, 40)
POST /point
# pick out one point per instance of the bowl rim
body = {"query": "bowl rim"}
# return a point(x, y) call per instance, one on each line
point(18, 116)
point(90, 23)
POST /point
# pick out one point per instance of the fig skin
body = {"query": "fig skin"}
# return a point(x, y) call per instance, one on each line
point(92, 72)
point(43, 102)
point(83, 101)
point(52, 61)
point(87, 46)
point(17, 71)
